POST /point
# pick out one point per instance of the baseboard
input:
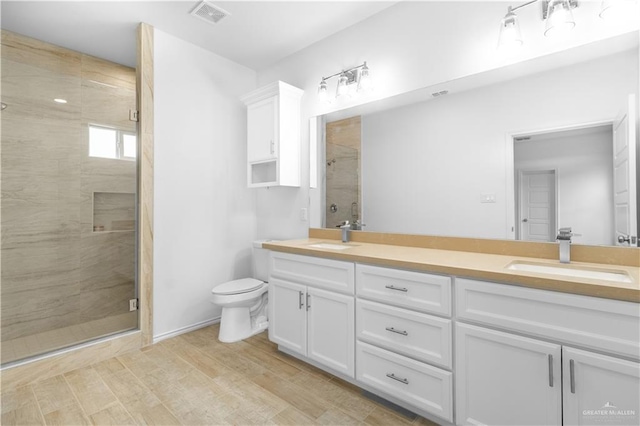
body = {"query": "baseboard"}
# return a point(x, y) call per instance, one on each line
point(187, 329)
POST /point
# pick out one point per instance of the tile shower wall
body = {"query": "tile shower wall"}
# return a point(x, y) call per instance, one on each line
point(343, 171)
point(56, 271)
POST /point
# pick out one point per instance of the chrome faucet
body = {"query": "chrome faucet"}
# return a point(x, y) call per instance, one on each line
point(346, 227)
point(564, 238)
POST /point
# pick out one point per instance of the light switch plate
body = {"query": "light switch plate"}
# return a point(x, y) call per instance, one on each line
point(487, 198)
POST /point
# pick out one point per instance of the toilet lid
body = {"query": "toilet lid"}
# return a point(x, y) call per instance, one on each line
point(243, 285)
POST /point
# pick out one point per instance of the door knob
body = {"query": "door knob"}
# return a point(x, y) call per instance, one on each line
point(525, 220)
point(623, 239)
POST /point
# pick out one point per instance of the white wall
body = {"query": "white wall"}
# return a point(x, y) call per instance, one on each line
point(584, 167)
point(204, 214)
point(408, 46)
point(425, 166)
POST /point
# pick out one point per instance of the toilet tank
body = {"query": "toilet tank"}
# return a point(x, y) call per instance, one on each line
point(260, 260)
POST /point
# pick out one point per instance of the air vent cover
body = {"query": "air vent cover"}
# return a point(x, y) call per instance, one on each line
point(208, 12)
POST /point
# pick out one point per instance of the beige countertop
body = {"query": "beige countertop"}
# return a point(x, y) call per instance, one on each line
point(489, 267)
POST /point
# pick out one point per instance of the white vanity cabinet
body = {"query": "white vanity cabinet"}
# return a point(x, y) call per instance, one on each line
point(311, 309)
point(599, 389)
point(521, 356)
point(273, 135)
point(503, 377)
point(403, 351)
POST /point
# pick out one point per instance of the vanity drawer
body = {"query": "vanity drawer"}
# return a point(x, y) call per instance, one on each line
point(608, 325)
point(414, 290)
point(328, 274)
point(420, 336)
point(421, 385)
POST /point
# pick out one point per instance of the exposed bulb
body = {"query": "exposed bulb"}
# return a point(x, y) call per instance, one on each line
point(510, 36)
point(342, 85)
point(616, 9)
point(559, 18)
point(323, 95)
point(365, 78)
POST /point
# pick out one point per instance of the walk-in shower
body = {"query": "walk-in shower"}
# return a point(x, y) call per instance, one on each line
point(68, 198)
point(343, 181)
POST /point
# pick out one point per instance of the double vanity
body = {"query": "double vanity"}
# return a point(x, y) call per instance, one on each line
point(463, 337)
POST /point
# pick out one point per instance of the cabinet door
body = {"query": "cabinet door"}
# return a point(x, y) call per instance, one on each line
point(262, 130)
point(599, 389)
point(331, 330)
point(287, 315)
point(504, 379)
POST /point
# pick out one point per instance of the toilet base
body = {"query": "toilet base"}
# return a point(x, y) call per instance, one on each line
point(235, 325)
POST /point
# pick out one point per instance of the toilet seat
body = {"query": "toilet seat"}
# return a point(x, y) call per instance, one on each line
point(243, 285)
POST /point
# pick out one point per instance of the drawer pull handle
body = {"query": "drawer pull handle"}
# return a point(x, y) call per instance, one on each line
point(301, 298)
point(550, 370)
point(308, 304)
point(393, 330)
point(572, 376)
point(393, 376)
point(392, 287)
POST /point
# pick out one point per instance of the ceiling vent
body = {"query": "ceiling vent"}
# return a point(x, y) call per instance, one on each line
point(208, 12)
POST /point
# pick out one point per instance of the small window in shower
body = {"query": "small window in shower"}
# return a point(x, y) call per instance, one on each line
point(107, 142)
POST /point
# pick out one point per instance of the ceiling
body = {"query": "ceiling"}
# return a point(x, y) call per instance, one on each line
point(257, 34)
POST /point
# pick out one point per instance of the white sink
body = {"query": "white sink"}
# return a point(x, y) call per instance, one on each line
point(331, 246)
point(571, 271)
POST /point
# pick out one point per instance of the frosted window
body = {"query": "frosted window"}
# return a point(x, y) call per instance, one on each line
point(128, 145)
point(103, 142)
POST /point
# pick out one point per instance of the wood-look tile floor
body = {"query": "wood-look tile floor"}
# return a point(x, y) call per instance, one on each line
point(193, 379)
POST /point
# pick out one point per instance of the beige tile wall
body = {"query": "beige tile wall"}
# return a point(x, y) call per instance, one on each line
point(57, 272)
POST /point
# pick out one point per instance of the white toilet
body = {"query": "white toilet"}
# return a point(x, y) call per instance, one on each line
point(244, 301)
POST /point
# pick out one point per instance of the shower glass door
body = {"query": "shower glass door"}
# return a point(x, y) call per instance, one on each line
point(68, 198)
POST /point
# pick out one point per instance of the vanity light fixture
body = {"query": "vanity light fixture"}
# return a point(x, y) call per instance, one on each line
point(349, 81)
point(556, 14)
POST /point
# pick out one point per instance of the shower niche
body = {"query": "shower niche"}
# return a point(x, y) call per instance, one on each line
point(114, 211)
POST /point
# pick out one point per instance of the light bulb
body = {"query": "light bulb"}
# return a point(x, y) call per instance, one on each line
point(559, 18)
point(365, 78)
point(510, 36)
point(342, 85)
point(322, 91)
point(615, 9)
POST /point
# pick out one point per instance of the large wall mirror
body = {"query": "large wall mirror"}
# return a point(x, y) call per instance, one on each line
point(513, 153)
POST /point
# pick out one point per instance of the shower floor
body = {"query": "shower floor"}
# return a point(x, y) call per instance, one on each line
point(37, 344)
